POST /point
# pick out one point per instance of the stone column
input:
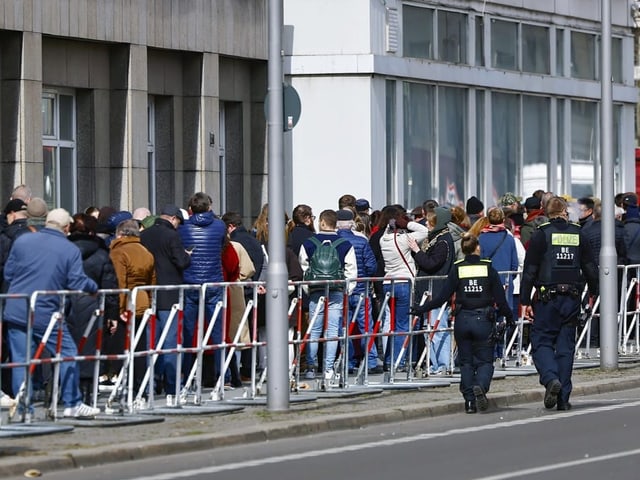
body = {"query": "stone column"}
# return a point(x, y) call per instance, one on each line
point(201, 109)
point(21, 136)
point(128, 118)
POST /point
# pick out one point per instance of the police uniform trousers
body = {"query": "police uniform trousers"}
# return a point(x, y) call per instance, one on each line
point(553, 340)
point(473, 332)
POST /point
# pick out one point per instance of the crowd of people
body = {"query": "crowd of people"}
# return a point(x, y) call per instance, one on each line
point(420, 247)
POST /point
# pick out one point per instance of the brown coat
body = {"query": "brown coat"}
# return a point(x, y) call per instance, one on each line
point(134, 267)
point(236, 295)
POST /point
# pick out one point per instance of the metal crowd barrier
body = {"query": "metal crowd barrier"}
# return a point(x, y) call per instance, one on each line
point(379, 326)
point(55, 326)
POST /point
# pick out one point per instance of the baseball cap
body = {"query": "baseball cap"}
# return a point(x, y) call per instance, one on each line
point(629, 200)
point(344, 215)
point(173, 211)
point(362, 205)
point(15, 205)
point(509, 199)
point(59, 217)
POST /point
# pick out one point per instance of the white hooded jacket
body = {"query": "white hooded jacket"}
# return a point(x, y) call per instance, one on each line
point(398, 262)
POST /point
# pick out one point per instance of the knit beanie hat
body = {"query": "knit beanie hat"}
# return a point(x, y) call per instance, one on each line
point(474, 206)
point(443, 217)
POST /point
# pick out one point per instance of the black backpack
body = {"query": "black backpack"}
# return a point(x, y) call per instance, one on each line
point(325, 263)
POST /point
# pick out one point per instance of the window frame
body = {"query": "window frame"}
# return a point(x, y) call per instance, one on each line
point(54, 198)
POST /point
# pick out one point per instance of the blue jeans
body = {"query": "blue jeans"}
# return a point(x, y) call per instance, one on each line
point(190, 323)
point(166, 363)
point(402, 292)
point(354, 299)
point(440, 353)
point(69, 375)
point(334, 324)
point(473, 332)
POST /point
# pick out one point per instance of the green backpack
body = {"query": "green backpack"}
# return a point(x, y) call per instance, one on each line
point(325, 263)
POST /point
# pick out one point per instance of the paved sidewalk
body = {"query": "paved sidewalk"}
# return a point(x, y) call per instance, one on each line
point(89, 445)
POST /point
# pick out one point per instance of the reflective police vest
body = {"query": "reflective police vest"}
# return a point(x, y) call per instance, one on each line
point(561, 262)
point(474, 287)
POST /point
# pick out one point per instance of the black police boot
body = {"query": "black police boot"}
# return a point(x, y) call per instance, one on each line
point(551, 394)
point(481, 398)
point(470, 406)
point(562, 405)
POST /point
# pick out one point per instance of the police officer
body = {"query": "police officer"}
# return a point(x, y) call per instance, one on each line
point(557, 259)
point(478, 289)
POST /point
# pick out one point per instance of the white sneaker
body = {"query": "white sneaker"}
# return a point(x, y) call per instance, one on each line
point(6, 401)
point(81, 410)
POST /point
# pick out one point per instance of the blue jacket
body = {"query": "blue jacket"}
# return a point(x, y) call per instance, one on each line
point(43, 260)
point(500, 248)
point(207, 234)
point(365, 258)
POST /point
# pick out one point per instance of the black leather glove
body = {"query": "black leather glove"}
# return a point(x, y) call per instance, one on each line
point(500, 328)
point(417, 309)
point(511, 322)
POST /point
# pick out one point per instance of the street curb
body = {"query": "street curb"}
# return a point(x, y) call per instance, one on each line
point(83, 458)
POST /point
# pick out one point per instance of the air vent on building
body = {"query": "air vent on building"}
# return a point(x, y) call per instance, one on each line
point(392, 30)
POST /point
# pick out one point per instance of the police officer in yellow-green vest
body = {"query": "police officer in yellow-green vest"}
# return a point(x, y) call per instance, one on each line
point(478, 290)
point(557, 262)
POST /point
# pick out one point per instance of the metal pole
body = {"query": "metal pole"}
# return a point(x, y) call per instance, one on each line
point(277, 276)
point(608, 256)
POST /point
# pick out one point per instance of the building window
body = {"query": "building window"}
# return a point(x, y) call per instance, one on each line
point(59, 149)
point(419, 144)
point(583, 56)
point(391, 157)
point(504, 45)
point(535, 49)
point(481, 164)
point(452, 145)
point(452, 37)
point(435, 144)
point(560, 52)
point(151, 150)
point(584, 147)
point(536, 142)
point(480, 41)
point(616, 60)
point(505, 143)
point(417, 32)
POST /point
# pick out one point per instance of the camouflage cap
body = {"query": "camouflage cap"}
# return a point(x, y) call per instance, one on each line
point(509, 199)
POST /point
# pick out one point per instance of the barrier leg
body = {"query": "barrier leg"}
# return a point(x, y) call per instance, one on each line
point(363, 374)
point(307, 335)
point(219, 387)
point(292, 354)
point(194, 369)
point(23, 396)
point(149, 372)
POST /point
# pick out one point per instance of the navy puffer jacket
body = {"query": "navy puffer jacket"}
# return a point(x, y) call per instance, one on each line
point(206, 233)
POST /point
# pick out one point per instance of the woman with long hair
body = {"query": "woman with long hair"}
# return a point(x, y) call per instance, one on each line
point(300, 227)
point(498, 244)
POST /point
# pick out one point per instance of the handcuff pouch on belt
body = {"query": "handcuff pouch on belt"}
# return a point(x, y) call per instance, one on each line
point(546, 294)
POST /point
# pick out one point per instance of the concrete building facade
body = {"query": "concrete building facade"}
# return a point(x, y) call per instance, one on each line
point(142, 102)
point(406, 100)
point(133, 103)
